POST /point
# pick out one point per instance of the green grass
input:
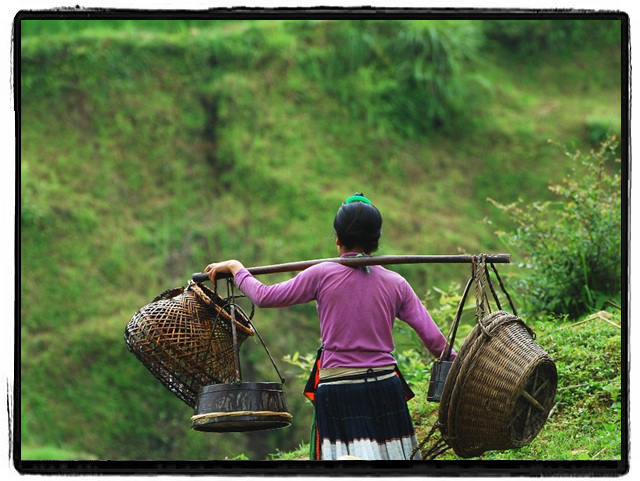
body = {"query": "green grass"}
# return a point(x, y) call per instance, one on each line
point(49, 453)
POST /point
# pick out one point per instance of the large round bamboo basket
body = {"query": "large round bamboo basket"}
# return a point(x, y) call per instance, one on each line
point(184, 337)
point(500, 388)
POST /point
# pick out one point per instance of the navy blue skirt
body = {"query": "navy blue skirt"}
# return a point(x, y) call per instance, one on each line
point(363, 416)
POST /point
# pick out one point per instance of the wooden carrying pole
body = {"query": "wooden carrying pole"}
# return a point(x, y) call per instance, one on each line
point(368, 261)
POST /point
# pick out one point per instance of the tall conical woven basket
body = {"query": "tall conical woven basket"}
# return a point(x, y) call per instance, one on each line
point(500, 388)
point(185, 338)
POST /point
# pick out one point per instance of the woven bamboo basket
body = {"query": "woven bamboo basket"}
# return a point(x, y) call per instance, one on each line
point(500, 388)
point(185, 338)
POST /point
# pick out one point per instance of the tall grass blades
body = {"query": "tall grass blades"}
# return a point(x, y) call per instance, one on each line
point(407, 76)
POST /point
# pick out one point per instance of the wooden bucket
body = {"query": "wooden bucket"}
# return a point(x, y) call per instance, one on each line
point(240, 407)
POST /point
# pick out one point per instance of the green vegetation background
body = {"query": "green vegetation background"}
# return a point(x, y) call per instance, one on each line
point(151, 148)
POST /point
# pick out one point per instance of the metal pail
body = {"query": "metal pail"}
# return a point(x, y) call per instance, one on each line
point(241, 406)
point(439, 373)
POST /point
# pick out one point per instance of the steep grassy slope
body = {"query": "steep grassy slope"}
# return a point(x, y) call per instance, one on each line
point(148, 152)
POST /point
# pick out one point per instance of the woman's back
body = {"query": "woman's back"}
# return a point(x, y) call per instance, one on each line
point(357, 310)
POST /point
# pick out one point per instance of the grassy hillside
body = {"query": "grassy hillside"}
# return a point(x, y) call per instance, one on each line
point(149, 149)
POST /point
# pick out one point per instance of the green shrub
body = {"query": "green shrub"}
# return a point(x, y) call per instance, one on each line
point(572, 246)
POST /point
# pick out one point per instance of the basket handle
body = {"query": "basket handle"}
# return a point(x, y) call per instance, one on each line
point(504, 289)
point(454, 327)
point(220, 309)
point(200, 293)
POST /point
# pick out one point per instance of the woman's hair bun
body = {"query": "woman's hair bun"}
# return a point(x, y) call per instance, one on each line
point(358, 223)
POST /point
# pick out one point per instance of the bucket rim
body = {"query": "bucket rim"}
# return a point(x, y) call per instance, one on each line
point(241, 386)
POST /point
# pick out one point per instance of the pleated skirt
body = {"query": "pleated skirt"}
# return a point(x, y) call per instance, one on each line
point(363, 416)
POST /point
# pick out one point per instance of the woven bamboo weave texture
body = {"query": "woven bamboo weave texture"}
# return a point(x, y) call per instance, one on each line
point(184, 338)
point(500, 388)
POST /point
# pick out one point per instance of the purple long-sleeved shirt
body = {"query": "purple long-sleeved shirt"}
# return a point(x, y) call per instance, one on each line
point(356, 310)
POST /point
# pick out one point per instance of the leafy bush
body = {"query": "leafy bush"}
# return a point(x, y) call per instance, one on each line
point(573, 245)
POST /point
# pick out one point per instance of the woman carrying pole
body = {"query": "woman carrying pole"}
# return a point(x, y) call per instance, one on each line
point(359, 395)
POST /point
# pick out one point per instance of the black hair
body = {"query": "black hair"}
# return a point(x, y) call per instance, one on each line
point(358, 224)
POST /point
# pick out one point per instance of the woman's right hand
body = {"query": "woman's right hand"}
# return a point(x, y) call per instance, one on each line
point(226, 267)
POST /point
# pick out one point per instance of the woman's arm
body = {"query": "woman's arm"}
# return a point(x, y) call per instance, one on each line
point(298, 290)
